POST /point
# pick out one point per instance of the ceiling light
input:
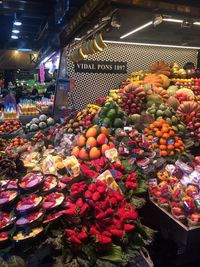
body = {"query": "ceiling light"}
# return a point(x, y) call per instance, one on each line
point(14, 36)
point(17, 23)
point(15, 31)
point(173, 20)
point(137, 29)
point(196, 23)
point(25, 49)
point(156, 45)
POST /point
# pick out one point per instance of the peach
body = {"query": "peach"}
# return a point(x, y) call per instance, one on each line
point(104, 130)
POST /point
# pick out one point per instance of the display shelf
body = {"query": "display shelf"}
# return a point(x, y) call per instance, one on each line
point(186, 228)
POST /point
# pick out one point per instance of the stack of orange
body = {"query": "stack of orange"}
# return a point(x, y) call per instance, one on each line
point(162, 137)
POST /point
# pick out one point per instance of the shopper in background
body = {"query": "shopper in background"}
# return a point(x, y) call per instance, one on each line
point(10, 99)
point(34, 94)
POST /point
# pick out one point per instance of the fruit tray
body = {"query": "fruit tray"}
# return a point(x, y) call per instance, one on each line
point(186, 228)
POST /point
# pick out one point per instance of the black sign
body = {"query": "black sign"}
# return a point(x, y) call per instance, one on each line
point(91, 66)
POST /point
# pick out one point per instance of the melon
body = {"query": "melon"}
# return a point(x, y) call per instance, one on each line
point(171, 91)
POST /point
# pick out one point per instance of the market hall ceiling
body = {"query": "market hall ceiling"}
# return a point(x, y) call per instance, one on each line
point(135, 13)
point(40, 26)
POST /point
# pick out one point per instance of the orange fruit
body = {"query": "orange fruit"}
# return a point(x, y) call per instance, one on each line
point(180, 142)
point(164, 129)
point(166, 135)
point(146, 130)
point(158, 123)
point(170, 147)
point(178, 149)
point(171, 133)
point(94, 153)
point(91, 132)
point(162, 147)
point(151, 126)
point(177, 144)
point(75, 151)
point(104, 147)
point(91, 142)
point(159, 134)
point(171, 153)
point(163, 141)
point(150, 137)
point(163, 153)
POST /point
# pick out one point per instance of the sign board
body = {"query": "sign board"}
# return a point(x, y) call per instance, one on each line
point(93, 66)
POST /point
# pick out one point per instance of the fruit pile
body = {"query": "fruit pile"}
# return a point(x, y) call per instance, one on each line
point(92, 144)
point(114, 95)
point(163, 138)
point(87, 115)
point(110, 116)
point(132, 99)
point(181, 199)
point(163, 111)
point(10, 126)
point(194, 127)
point(41, 123)
point(82, 120)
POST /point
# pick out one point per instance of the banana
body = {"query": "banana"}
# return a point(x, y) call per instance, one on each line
point(100, 42)
point(96, 47)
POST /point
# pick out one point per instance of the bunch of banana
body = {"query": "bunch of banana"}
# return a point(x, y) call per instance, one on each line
point(89, 47)
point(77, 55)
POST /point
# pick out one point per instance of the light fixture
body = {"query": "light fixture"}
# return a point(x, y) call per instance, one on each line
point(25, 49)
point(173, 20)
point(15, 31)
point(186, 24)
point(14, 37)
point(17, 23)
point(196, 23)
point(137, 29)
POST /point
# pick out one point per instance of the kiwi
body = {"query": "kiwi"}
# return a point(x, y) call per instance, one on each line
point(71, 121)
point(75, 125)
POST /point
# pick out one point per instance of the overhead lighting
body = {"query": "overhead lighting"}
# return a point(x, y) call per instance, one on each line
point(149, 44)
point(137, 29)
point(17, 23)
point(173, 20)
point(15, 31)
point(14, 36)
point(196, 23)
point(25, 49)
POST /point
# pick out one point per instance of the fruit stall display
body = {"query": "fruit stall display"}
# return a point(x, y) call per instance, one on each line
point(79, 185)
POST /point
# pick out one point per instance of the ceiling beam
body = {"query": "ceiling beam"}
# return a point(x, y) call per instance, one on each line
point(161, 5)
